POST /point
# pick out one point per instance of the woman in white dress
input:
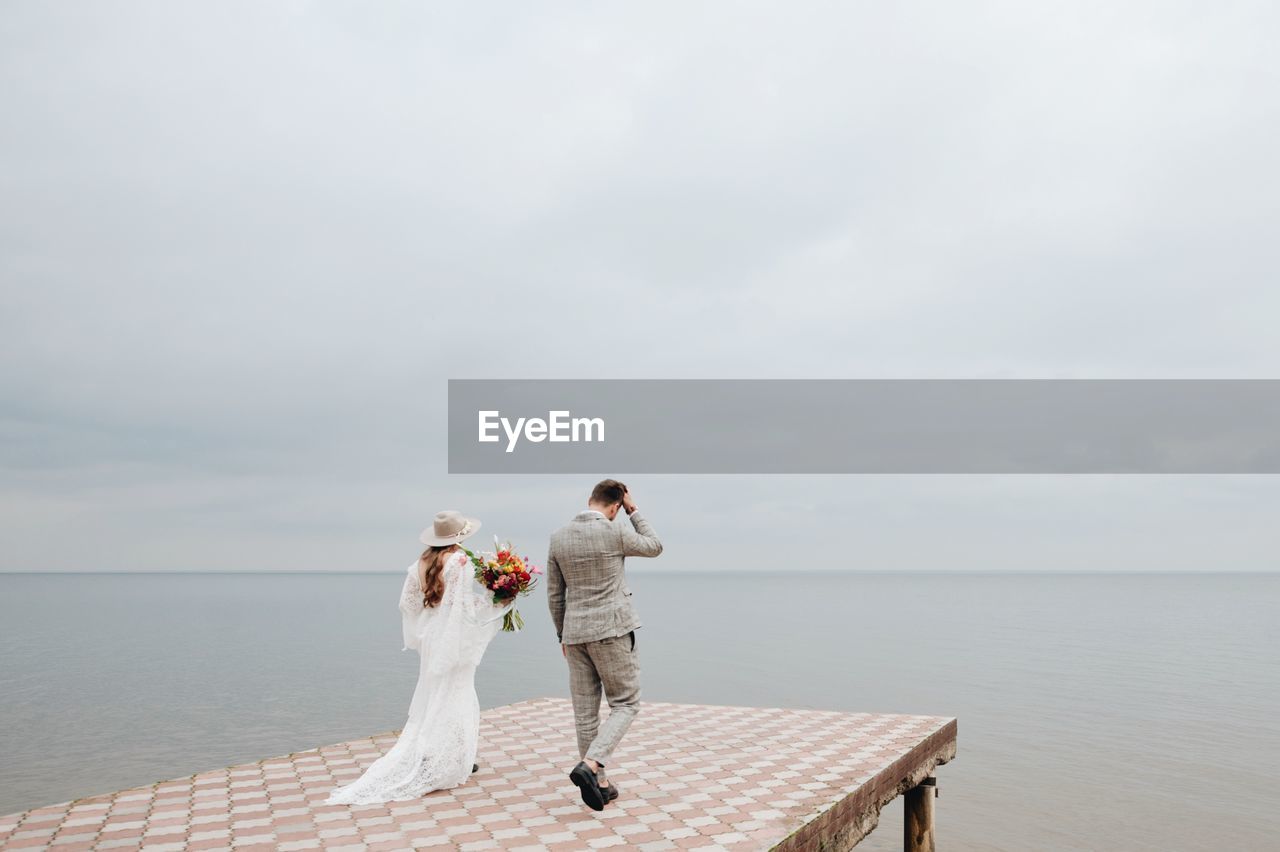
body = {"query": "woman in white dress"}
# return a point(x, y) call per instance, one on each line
point(449, 619)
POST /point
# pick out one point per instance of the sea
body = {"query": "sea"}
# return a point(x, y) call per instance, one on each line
point(1096, 711)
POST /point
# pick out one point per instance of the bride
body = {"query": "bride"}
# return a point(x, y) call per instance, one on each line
point(450, 623)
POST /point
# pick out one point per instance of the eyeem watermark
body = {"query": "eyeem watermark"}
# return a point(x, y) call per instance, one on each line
point(559, 427)
point(865, 426)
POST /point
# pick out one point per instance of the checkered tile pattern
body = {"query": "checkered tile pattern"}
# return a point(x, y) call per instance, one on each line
point(692, 777)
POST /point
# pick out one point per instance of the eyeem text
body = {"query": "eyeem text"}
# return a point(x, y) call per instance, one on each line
point(560, 426)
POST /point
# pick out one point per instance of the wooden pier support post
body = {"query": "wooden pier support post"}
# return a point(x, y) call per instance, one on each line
point(917, 817)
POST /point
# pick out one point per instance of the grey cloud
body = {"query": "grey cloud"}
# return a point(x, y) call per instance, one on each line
point(243, 245)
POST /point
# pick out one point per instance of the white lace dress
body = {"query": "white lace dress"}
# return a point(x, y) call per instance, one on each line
point(437, 747)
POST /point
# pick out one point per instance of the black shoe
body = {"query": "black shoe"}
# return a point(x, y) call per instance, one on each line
point(585, 780)
point(475, 767)
point(610, 792)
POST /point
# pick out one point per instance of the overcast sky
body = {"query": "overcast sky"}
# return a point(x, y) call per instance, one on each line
point(244, 245)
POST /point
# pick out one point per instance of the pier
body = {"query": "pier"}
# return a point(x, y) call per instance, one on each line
point(691, 777)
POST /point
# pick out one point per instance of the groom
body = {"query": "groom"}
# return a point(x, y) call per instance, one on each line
point(591, 609)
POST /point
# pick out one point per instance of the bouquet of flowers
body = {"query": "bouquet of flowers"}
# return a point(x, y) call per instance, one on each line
point(506, 575)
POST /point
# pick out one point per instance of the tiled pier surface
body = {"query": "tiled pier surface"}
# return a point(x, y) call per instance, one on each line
point(692, 777)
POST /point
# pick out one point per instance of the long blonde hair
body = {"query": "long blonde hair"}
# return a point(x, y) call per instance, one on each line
point(433, 577)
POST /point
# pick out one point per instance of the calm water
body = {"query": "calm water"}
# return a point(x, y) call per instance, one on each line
point(1096, 712)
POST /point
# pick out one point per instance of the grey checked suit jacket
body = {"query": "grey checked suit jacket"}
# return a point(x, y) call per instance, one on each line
point(586, 583)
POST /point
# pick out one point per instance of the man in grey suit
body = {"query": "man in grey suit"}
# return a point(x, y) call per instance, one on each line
point(591, 609)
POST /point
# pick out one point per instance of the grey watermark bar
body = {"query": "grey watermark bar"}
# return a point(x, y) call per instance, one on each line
point(864, 426)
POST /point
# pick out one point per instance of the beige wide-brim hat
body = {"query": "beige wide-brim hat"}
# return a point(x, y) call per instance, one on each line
point(449, 527)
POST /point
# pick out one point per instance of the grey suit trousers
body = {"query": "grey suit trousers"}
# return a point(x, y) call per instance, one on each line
point(609, 664)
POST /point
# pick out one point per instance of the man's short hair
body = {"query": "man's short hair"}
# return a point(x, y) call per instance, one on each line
point(607, 492)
